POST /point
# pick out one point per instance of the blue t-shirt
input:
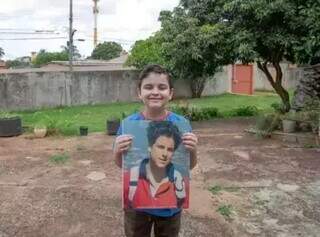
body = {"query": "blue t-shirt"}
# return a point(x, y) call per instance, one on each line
point(164, 212)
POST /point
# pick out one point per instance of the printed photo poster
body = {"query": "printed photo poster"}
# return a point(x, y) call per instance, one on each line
point(155, 170)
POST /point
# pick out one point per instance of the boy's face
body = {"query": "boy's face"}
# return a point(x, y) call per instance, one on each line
point(155, 91)
point(162, 151)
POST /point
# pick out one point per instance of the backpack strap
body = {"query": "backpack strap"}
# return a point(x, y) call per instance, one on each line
point(133, 182)
point(179, 185)
point(136, 172)
point(176, 178)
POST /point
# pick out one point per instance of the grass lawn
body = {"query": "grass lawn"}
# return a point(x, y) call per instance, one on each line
point(68, 119)
point(227, 102)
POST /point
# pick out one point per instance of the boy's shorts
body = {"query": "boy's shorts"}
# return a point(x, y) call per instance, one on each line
point(139, 224)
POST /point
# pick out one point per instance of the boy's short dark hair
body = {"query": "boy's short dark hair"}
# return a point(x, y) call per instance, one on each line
point(154, 68)
point(157, 129)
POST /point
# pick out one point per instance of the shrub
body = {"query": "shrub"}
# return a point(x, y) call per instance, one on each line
point(59, 158)
point(311, 118)
point(54, 125)
point(265, 124)
point(182, 110)
point(210, 112)
point(225, 210)
point(6, 115)
point(278, 108)
point(196, 114)
point(215, 189)
point(202, 114)
point(307, 119)
point(245, 111)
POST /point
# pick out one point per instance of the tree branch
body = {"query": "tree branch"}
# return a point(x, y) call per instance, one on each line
point(278, 72)
point(263, 67)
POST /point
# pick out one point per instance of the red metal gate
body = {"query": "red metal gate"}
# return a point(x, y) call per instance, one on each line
point(242, 82)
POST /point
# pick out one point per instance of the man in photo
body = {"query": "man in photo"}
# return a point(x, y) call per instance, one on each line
point(155, 182)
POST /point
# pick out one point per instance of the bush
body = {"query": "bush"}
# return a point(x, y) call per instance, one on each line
point(203, 114)
point(245, 111)
point(7, 115)
point(225, 210)
point(54, 125)
point(59, 159)
point(210, 112)
point(310, 118)
point(266, 124)
point(278, 108)
point(307, 119)
point(181, 110)
point(196, 114)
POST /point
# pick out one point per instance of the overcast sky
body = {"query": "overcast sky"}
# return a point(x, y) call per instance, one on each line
point(123, 21)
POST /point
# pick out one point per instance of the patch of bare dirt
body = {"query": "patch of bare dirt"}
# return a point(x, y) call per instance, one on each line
point(270, 188)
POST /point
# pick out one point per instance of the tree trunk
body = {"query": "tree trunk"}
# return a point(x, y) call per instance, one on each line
point(276, 82)
point(197, 86)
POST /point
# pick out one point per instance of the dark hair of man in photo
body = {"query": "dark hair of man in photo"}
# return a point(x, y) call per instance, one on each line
point(157, 129)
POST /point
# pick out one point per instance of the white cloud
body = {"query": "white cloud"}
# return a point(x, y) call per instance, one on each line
point(119, 20)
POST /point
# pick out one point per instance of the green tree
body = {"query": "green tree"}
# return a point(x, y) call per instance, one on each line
point(191, 51)
point(309, 50)
point(75, 51)
point(146, 52)
point(1, 52)
point(17, 64)
point(44, 57)
point(195, 52)
point(106, 51)
point(264, 31)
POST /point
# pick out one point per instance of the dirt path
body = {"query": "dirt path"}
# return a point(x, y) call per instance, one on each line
point(272, 189)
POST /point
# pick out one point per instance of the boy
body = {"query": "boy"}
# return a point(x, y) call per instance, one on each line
point(155, 89)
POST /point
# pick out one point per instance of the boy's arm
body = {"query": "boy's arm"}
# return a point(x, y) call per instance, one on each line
point(193, 159)
point(117, 159)
point(121, 145)
point(190, 141)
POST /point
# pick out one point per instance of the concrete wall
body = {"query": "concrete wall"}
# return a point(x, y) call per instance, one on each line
point(219, 84)
point(291, 76)
point(36, 89)
point(48, 89)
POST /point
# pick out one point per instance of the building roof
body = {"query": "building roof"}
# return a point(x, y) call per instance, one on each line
point(115, 64)
point(92, 62)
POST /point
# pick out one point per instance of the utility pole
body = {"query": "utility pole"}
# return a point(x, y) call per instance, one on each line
point(95, 30)
point(71, 32)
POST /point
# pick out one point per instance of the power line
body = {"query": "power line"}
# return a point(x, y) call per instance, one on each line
point(26, 29)
point(111, 39)
point(48, 38)
point(28, 33)
point(102, 40)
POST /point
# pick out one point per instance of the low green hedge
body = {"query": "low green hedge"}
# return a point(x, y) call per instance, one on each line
point(196, 114)
point(201, 114)
point(245, 111)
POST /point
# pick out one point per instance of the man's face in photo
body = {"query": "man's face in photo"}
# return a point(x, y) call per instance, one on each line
point(162, 151)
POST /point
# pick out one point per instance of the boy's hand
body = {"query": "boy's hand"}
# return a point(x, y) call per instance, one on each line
point(122, 144)
point(190, 141)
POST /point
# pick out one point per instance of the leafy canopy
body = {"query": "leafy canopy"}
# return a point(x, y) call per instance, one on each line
point(106, 51)
point(266, 31)
point(190, 50)
point(146, 52)
point(44, 57)
point(1, 52)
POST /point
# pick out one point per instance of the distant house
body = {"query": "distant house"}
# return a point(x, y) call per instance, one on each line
point(89, 64)
point(2, 64)
point(24, 59)
point(80, 65)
